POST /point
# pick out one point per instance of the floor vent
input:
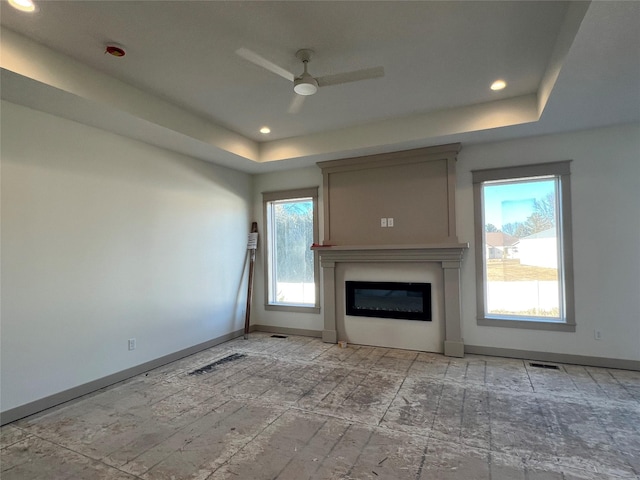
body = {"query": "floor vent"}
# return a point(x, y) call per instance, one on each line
point(278, 336)
point(543, 365)
point(212, 366)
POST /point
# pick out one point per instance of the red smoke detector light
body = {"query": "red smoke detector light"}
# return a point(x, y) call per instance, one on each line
point(115, 51)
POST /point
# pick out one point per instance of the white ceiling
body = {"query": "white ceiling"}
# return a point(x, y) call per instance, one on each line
point(569, 65)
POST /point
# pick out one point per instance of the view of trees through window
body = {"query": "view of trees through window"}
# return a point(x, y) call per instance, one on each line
point(292, 276)
point(521, 248)
point(543, 217)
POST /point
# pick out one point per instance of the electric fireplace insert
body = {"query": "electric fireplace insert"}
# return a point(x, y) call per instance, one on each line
point(408, 301)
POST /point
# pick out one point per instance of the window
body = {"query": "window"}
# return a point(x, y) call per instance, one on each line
point(291, 223)
point(524, 262)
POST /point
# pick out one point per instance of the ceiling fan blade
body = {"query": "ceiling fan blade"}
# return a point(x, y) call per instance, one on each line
point(259, 60)
point(356, 75)
point(296, 103)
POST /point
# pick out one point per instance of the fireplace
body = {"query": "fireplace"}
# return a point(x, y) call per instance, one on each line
point(417, 189)
point(334, 259)
point(400, 300)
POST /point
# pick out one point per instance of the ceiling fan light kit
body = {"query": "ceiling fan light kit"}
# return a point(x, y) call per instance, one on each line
point(305, 85)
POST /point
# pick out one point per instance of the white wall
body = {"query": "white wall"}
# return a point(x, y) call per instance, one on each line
point(605, 176)
point(606, 226)
point(105, 239)
point(271, 182)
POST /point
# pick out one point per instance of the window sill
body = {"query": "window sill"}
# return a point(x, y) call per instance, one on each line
point(527, 324)
point(292, 308)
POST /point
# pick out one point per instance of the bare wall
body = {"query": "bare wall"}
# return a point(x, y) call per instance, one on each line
point(270, 182)
point(606, 234)
point(105, 238)
point(606, 227)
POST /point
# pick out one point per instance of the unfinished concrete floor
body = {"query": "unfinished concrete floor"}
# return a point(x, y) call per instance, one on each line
point(297, 408)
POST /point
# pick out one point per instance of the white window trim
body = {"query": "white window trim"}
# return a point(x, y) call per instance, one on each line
point(311, 192)
point(562, 171)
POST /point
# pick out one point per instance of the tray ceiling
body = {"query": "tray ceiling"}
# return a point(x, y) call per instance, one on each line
point(568, 65)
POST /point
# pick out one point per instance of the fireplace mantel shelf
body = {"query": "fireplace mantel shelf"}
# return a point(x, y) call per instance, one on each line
point(421, 246)
point(438, 252)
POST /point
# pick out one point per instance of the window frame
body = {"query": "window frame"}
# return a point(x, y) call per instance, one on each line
point(561, 171)
point(267, 197)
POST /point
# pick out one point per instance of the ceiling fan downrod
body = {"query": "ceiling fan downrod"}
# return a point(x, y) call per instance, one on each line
point(305, 84)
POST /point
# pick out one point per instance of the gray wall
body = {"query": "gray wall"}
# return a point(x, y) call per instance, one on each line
point(416, 188)
point(105, 239)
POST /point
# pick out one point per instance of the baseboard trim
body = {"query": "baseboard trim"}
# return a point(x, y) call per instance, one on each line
point(554, 357)
point(56, 399)
point(286, 330)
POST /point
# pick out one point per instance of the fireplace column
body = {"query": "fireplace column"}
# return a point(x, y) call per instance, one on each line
point(330, 333)
point(453, 344)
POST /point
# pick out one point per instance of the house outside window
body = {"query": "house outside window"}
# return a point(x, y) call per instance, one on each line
point(291, 268)
point(524, 261)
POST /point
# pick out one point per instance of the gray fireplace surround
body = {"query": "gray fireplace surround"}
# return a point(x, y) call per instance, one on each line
point(448, 255)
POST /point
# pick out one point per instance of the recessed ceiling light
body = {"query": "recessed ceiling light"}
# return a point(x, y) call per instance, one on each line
point(265, 130)
point(23, 5)
point(498, 85)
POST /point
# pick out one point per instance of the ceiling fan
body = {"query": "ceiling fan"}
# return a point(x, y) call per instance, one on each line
point(305, 84)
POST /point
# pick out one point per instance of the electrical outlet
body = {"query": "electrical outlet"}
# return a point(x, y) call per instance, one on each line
point(390, 222)
point(383, 222)
point(132, 344)
point(597, 334)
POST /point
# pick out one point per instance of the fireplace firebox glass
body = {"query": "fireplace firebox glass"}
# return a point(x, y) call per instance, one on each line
point(408, 301)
